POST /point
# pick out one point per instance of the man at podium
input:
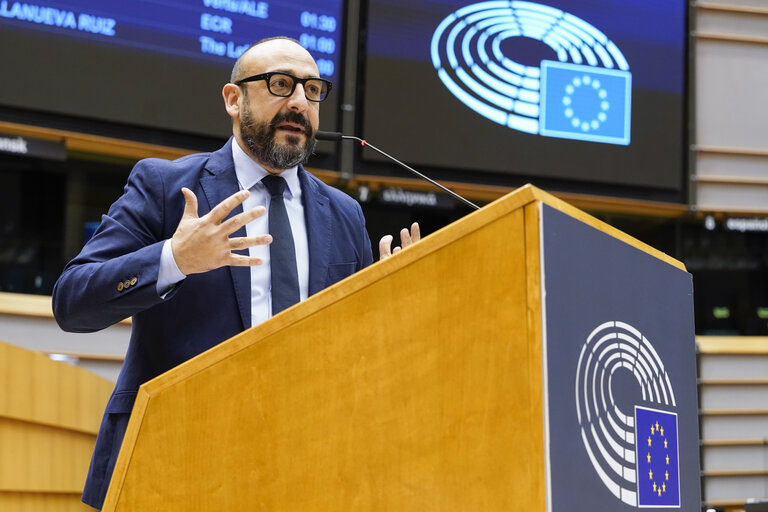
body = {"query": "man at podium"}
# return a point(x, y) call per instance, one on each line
point(185, 249)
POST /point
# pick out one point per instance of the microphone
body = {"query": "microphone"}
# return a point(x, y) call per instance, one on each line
point(337, 136)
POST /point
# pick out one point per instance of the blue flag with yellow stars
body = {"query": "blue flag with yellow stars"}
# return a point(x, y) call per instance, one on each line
point(658, 472)
point(585, 102)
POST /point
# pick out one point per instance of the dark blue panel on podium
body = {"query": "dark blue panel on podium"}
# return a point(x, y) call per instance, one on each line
point(620, 390)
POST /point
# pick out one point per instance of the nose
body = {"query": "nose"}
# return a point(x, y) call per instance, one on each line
point(298, 100)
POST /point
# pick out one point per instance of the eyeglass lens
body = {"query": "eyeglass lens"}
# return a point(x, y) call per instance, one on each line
point(283, 85)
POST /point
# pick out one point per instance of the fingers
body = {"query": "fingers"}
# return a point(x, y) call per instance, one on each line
point(221, 210)
point(415, 232)
point(200, 244)
point(190, 203)
point(407, 239)
point(385, 247)
point(244, 242)
point(239, 260)
point(241, 219)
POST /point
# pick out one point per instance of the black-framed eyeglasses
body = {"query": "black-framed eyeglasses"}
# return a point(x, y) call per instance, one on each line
point(283, 84)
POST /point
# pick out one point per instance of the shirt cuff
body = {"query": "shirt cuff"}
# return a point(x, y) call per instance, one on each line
point(169, 274)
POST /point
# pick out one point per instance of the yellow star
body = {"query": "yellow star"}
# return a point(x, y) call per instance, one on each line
point(651, 429)
point(662, 430)
point(665, 443)
point(667, 475)
point(659, 491)
point(649, 458)
point(654, 487)
point(667, 460)
point(657, 425)
point(650, 476)
point(649, 441)
point(664, 487)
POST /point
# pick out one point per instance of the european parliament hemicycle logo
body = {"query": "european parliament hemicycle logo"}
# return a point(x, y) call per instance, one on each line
point(586, 94)
point(635, 455)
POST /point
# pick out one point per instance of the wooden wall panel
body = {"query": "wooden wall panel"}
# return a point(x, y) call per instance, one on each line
point(49, 416)
point(48, 502)
point(51, 393)
point(42, 457)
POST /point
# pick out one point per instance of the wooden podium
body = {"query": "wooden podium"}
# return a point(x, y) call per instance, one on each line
point(415, 385)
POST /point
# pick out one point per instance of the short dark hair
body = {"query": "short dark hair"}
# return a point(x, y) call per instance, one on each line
point(236, 69)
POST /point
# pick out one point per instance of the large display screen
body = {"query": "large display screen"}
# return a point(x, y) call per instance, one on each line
point(589, 91)
point(154, 63)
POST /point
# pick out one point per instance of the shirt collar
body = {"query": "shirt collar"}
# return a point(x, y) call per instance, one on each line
point(249, 172)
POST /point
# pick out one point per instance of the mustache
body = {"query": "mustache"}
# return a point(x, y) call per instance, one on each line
point(291, 117)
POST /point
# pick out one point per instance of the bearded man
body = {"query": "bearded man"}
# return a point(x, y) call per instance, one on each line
point(201, 248)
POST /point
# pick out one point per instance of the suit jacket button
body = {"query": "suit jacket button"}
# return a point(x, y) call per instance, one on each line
point(134, 281)
point(126, 284)
point(120, 286)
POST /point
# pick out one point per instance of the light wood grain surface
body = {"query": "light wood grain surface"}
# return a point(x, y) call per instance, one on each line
point(411, 386)
point(49, 416)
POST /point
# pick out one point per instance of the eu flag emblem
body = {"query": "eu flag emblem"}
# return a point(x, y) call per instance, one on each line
point(658, 472)
point(585, 102)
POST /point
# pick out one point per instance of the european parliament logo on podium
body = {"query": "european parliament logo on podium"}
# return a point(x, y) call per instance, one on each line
point(635, 455)
point(622, 406)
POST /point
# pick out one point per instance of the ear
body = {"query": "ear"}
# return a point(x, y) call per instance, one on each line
point(232, 94)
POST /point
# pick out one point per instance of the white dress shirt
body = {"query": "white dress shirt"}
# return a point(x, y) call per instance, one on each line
point(249, 175)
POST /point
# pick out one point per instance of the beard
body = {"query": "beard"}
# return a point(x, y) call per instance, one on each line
point(260, 139)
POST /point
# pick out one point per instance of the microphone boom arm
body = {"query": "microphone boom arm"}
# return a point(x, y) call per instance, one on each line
point(322, 135)
point(414, 171)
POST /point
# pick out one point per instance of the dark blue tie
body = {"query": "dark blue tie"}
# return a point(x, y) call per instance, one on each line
point(282, 253)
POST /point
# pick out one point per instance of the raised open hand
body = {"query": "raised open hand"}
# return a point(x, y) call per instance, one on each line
point(203, 243)
point(407, 238)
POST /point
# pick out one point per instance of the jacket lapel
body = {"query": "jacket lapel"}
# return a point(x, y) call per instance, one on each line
point(218, 183)
point(317, 215)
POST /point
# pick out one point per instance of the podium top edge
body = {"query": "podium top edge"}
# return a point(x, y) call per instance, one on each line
point(529, 193)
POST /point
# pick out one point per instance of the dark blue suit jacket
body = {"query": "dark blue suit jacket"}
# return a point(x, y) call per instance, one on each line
point(204, 309)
